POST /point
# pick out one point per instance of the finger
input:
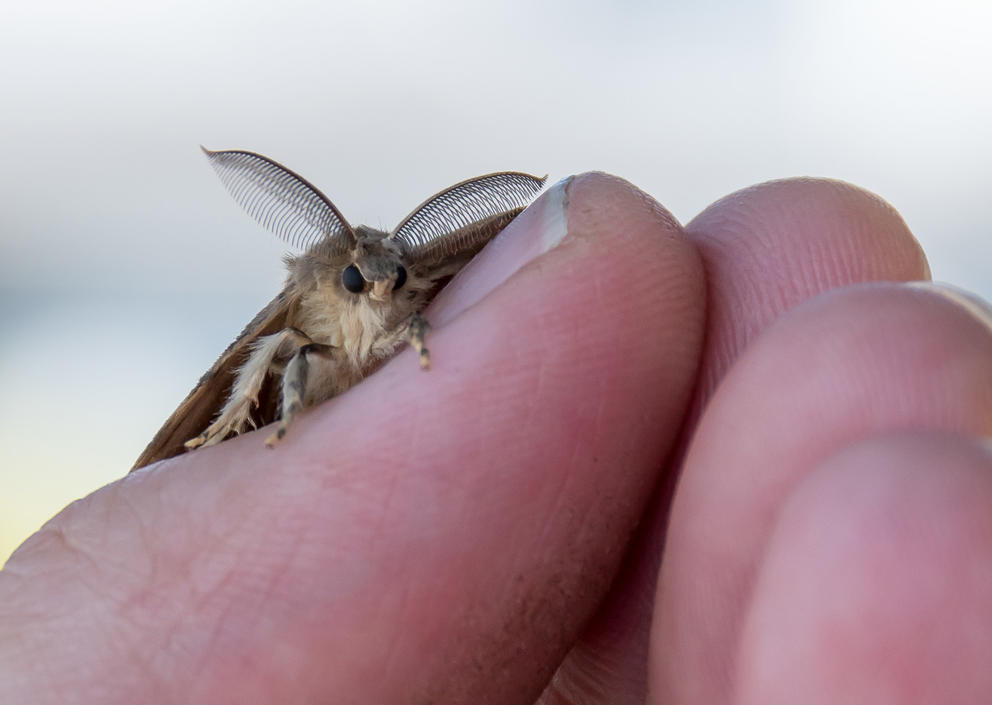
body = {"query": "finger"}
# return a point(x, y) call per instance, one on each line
point(765, 249)
point(435, 536)
point(876, 585)
point(847, 366)
point(777, 244)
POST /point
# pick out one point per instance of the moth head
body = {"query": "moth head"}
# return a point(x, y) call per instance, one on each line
point(374, 267)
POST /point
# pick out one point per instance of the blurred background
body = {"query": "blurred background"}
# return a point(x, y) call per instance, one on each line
point(125, 268)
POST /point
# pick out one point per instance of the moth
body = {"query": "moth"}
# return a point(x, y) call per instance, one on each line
point(352, 297)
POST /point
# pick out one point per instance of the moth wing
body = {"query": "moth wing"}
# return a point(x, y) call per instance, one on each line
point(202, 404)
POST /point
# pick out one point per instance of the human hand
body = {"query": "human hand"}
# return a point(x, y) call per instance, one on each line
point(446, 537)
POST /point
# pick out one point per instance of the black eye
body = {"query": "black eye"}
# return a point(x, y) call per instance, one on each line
point(353, 280)
point(400, 278)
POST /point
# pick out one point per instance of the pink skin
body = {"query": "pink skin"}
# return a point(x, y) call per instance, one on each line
point(458, 535)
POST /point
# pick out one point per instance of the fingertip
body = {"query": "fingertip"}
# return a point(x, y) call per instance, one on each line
point(771, 246)
point(851, 364)
point(875, 577)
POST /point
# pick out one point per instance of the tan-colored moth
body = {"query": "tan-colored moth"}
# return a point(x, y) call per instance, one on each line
point(351, 299)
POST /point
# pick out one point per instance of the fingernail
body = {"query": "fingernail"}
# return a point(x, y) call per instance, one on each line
point(536, 231)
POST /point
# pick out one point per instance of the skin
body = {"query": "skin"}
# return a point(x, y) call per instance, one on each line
point(732, 463)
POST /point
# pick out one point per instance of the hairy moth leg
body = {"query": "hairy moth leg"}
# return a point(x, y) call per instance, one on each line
point(294, 386)
point(236, 414)
point(412, 330)
point(415, 332)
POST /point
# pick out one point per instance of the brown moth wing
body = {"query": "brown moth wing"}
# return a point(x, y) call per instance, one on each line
point(204, 402)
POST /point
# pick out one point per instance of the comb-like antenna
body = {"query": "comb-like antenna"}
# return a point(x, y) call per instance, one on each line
point(281, 200)
point(467, 211)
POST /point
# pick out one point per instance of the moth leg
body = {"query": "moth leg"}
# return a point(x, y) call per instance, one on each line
point(294, 386)
point(235, 416)
point(416, 330)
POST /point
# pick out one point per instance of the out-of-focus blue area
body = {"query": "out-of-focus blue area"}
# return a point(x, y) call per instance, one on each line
point(125, 268)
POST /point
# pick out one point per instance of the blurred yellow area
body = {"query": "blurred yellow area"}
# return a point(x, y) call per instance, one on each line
point(40, 476)
point(81, 400)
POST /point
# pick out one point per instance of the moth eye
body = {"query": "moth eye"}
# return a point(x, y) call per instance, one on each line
point(353, 280)
point(400, 278)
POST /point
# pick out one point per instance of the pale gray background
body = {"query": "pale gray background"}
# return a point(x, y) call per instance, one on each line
point(126, 268)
